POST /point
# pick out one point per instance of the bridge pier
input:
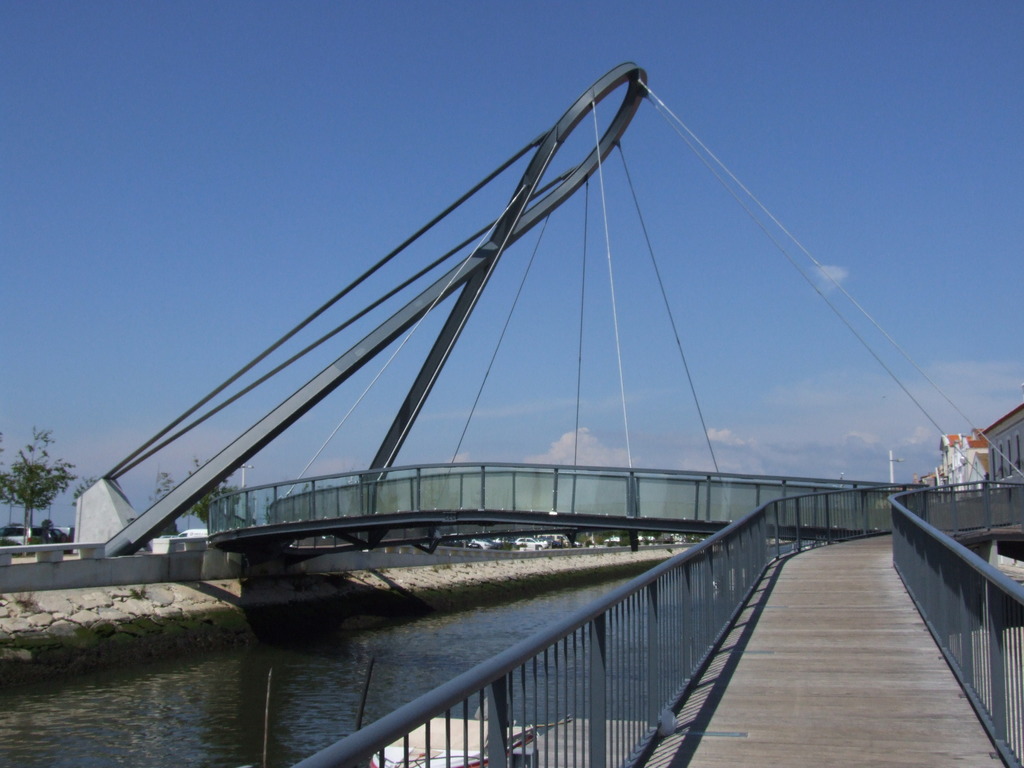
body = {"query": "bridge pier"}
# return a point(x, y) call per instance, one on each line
point(102, 512)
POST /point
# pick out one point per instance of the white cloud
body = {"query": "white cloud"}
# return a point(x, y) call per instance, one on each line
point(727, 437)
point(585, 447)
point(828, 277)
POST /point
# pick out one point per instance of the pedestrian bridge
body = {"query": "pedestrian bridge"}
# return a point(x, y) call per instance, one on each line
point(759, 646)
point(429, 505)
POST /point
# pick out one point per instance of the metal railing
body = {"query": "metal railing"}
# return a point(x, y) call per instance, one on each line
point(974, 612)
point(591, 689)
point(629, 493)
point(957, 509)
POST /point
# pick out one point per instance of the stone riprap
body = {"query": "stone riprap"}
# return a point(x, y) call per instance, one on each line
point(45, 634)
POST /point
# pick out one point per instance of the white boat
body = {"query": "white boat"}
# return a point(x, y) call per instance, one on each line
point(454, 743)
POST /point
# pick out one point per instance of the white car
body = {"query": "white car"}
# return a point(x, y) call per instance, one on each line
point(192, 533)
point(530, 543)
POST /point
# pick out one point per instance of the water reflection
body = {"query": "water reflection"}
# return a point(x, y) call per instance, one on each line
point(209, 710)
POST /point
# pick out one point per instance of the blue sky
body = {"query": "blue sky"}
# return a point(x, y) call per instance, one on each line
point(180, 183)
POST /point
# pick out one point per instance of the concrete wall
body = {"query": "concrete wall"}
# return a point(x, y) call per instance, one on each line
point(118, 571)
point(203, 564)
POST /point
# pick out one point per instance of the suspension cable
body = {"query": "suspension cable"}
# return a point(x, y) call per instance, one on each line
point(789, 257)
point(530, 193)
point(821, 268)
point(501, 338)
point(668, 308)
point(579, 349)
point(690, 138)
point(611, 283)
point(128, 463)
point(412, 331)
point(141, 456)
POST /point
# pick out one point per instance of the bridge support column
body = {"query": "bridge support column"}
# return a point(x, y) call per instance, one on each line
point(101, 512)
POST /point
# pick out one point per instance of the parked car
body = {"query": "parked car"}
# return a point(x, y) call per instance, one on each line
point(56, 535)
point(15, 534)
point(556, 540)
point(530, 543)
point(161, 545)
point(482, 544)
point(192, 533)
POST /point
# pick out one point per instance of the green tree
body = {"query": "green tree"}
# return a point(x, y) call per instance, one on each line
point(35, 479)
point(201, 509)
point(83, 486)
point(164, 485)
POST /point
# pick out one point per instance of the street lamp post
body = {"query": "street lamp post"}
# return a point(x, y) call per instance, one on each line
point(892, 465)
point(249, 466)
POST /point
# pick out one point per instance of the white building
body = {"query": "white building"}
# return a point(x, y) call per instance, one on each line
point(1005, 437)
point(964, 459)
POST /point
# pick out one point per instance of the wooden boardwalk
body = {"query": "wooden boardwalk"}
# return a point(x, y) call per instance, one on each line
point(830, 665)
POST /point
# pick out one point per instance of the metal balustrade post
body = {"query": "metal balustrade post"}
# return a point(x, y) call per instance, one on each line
point(828, 519)
point(598, 683)
point(498, 723)
point(778, 534)
point(1020, 502)
point(707, 510)
point(483, 487)
point(554, 490)
point(966, 627)
point(654, 665)
point(996, 653)
point(988, 505)
point(799, 532)
point(688, 629)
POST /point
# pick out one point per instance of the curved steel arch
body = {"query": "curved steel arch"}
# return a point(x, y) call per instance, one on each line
point(526, 208)
point(519, 217)
point(636, 89)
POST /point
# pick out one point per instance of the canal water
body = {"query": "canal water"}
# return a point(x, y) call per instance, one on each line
point(208, 710)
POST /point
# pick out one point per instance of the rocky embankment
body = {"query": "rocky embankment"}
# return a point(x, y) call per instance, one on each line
point(50, 634)
point(55, 633)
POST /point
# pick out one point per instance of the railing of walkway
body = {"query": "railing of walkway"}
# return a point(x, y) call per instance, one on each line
point(974, 612)
point(591, 689)
point(563, 490)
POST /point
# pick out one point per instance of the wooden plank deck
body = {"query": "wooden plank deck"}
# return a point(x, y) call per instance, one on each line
point(830, 665)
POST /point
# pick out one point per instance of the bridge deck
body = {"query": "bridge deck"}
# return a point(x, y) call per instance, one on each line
point(830, 664)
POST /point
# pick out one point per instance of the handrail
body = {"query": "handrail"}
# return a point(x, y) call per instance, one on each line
point(974, 612)
point(613, 491)
point(592, 688)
